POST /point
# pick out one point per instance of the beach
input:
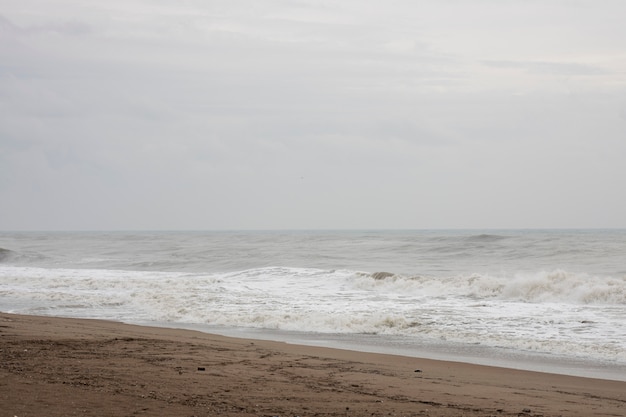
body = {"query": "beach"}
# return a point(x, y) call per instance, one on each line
point(62, 367)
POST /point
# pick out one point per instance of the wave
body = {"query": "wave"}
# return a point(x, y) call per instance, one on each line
point(546, 286)
point(485, 237)
point(5, 254)
point(20, 257)
point(382, 275)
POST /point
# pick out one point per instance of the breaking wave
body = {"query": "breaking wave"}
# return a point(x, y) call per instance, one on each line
point(553, 286)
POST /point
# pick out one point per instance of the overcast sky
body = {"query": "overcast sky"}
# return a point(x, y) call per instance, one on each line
point(305, 114)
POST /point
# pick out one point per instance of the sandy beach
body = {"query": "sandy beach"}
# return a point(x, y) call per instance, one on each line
point(65, 367)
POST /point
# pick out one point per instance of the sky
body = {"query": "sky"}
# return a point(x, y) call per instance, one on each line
point(306, 114)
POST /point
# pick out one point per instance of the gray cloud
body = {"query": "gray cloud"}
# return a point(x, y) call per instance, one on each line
point(557, 68)
point(240, 114)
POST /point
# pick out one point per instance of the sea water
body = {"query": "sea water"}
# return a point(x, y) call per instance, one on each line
point(552, 300)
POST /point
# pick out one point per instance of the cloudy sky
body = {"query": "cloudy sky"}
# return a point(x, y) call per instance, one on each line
point(303, 114)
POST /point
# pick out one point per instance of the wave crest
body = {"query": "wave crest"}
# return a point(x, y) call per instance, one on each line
point(382, 275)
point(562, 286)
point(485, 237)
point(545, 286)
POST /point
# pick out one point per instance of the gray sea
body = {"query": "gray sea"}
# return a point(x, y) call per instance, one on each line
point(549, 300)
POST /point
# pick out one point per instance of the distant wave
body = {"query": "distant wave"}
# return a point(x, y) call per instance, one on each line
point(5, 254)
point(486, 238)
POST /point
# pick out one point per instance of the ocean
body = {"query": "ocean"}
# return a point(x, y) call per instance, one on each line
point(547, 300)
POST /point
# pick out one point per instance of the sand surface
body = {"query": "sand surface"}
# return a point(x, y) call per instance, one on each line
point(66, 367)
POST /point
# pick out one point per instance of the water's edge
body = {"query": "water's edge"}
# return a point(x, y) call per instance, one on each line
point(394, 345)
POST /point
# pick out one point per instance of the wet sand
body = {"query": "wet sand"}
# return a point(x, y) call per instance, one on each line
point(65, 367)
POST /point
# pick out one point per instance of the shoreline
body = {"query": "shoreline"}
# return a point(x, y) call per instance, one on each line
point(62, 366)
point(402, 346)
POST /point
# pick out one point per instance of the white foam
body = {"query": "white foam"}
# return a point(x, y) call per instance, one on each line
point(550, 312)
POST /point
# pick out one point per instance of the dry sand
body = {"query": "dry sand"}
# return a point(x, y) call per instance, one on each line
point(66, 367)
